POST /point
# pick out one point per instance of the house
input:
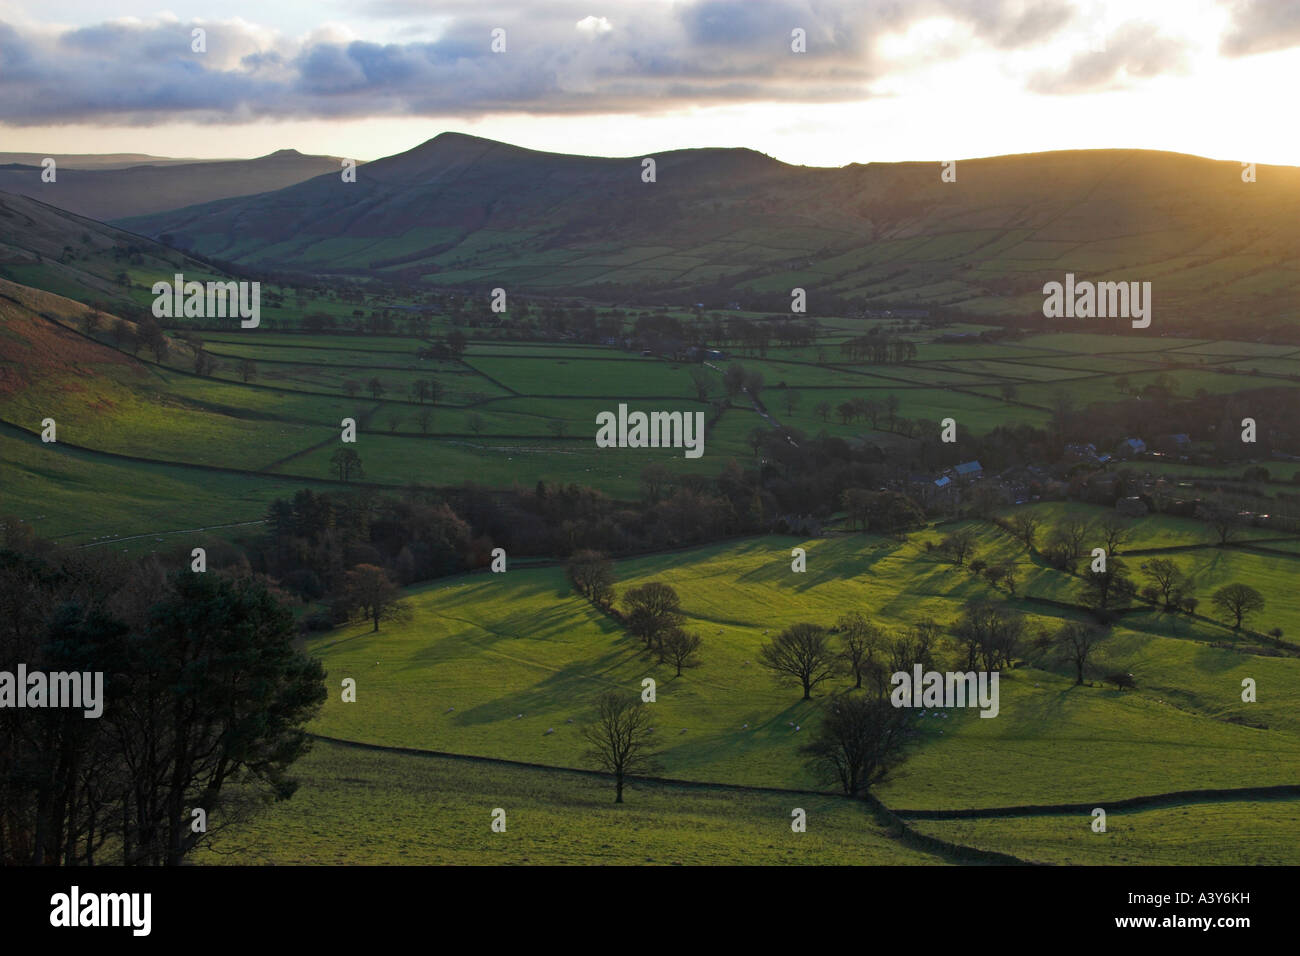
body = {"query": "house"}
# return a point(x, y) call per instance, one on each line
point(1130, 447)
point(969, 469)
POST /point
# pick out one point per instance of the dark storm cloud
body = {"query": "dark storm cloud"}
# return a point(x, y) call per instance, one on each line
point(649, 57)
point(1133, 50)
point(1261, 26)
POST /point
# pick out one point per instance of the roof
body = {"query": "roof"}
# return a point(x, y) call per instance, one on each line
point(968, 467)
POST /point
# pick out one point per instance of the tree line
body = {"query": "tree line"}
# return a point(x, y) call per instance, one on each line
point(204, 702)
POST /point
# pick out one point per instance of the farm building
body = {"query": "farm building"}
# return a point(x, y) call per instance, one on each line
point(1130, 447)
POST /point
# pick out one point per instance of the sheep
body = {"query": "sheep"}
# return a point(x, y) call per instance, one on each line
point(449, 710)
point(682, 731)
point(745, 727)
point(549, 730)
point(569, 721)
point(519, 716)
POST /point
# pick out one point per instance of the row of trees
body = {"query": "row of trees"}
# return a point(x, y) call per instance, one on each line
point(861, 735)
point(878, 349)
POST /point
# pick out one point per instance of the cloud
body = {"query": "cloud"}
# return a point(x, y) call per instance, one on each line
point(1261, 26)
point(652, 57)
point(1134, 50)
point(594, 26)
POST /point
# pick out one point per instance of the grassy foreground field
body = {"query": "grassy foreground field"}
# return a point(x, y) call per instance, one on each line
point(1246, 833)
point(359, 807)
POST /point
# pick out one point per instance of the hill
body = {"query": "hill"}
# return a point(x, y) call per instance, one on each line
point(98, 160)
point(49, 248)
point(718, 224)
point(102, 189)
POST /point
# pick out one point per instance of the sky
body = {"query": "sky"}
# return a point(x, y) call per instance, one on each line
point(880, 80)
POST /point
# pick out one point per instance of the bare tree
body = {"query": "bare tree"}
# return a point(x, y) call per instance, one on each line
point(703, 383)
point(679, 647)
point(367, 589)
point(1026, 525)
point(958, 547)
point(801, 654)
point(620, 738)
point(592, 575)
point(1075, 531)
point(990, 634)
point(1239, 600)
point(861, 640)
point(1075, 643)
point(651, 611)
point(860, 739)
point(1114, 529)
point(346, 463)
point(1166, 577)
point(1223, 520)
point(733, 379)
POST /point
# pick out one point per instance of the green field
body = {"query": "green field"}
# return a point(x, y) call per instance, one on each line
point(521, 412)
point(1210, 834)
point(152, 456)
point(370, 807)
point(507, 666)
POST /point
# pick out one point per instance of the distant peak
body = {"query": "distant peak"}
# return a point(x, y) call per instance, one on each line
point(282, 153)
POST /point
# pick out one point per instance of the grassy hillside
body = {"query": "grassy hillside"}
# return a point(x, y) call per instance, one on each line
point(48, 248)
point(463, 211)
point(489, 664)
